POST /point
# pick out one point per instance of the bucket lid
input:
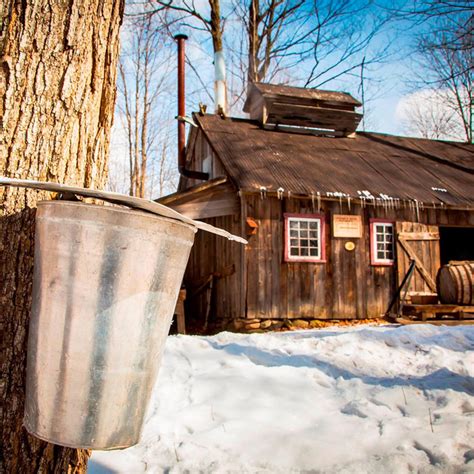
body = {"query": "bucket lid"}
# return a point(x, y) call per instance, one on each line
point(122, 199)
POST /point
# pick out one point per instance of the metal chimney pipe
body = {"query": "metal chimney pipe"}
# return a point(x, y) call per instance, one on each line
point(180, 39)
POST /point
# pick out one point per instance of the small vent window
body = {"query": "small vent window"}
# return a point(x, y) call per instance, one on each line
point(382, 242)
point(304, 238)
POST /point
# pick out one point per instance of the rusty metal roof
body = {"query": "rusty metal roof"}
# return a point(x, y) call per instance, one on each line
point(369, 166)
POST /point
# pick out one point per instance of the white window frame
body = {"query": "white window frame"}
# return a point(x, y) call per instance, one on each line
point(374, 231)
point(309, 218)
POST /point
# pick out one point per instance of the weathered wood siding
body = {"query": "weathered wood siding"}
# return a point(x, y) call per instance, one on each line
point(217, 200)
point(345, 286)
point(220, 259)
point(255, 282)
point(200, 157)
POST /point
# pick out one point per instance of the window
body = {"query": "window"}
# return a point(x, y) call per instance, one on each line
point(381, 242)
point(304, 238)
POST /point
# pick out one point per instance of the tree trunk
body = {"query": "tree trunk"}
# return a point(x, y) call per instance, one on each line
point(254, 13)
point(57, 93)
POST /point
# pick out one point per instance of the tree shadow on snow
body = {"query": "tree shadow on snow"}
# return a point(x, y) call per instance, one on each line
point(441, 379)
point(456, 339)
point(94, 467)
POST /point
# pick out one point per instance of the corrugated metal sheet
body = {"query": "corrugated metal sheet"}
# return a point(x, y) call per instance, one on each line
point(429, 171)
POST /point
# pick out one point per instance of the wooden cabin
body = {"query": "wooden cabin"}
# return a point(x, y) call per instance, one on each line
point(333, 217)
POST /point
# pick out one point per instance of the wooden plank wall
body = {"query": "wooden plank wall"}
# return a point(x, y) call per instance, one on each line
point(214, 255)
point(216, 201)
point(279, 289)
point(198, 149)
point(346, 286)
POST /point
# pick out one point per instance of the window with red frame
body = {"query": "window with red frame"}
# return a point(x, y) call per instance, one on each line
point(382, 242)
point(304, 238)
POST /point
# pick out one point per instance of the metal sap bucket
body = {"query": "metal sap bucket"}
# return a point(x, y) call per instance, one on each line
point(106, 281)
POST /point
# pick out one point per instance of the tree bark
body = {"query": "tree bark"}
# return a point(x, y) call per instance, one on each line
point(57, 93)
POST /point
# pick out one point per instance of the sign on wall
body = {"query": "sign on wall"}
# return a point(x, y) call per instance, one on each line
point(348, 226)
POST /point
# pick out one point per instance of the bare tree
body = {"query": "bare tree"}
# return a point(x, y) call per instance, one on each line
point(451, 17)
point(164, 176)
point(144, 68)
point(425, 114)
point(324, 39)
point(443, 44)
point(184, 10)
point(451, 69)
point(297, 41)
point(211, 21)
point(302, 42)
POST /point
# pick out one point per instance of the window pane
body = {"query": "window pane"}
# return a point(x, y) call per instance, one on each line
point(303, 238)
point(383, 235)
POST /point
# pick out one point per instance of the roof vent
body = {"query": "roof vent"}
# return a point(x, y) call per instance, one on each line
point(303, 110)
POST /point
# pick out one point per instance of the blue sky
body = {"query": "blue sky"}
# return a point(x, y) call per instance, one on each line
point(384, 93)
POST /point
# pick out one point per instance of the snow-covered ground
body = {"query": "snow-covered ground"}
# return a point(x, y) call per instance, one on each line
point(365, 399)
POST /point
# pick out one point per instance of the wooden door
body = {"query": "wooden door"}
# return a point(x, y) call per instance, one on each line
point(418, 242)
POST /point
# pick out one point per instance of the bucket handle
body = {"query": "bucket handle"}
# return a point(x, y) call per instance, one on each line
point(122, 199)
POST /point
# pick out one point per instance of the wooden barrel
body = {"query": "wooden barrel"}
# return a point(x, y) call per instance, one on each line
point(455, 283)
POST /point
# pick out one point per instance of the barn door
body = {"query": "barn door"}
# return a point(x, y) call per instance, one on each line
point(418, 242)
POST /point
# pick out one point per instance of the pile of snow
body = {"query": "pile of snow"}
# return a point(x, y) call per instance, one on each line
point(342, 400)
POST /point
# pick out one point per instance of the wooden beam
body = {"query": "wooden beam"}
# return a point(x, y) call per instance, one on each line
point(418, 235)
point(312, 116)
point(436, 322)
point(439, 308)
point(167, 200)
point(419, 265)
point(179, 311)
point(210, 208)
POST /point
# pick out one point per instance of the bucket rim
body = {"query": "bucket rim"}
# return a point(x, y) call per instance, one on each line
point(132, 202)
point(116, 208)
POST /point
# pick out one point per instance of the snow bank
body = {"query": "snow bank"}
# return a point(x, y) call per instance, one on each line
point(365, 399)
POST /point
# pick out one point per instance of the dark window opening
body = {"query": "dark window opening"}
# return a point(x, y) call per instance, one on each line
point(456, 243)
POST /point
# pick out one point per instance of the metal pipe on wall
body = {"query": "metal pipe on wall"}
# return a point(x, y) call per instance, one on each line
point(180, 39)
